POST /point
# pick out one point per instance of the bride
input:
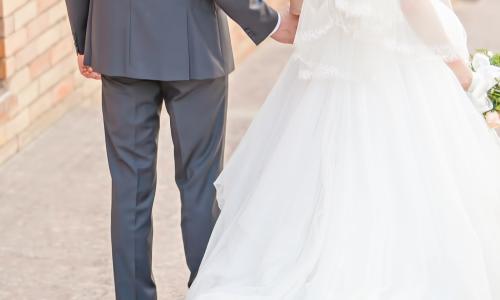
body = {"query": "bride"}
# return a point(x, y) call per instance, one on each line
point(368, 174)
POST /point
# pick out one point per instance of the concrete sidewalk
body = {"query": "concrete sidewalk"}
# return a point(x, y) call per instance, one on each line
point(55, 195)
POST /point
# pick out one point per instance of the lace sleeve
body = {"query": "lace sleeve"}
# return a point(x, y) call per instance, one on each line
point(426, 23)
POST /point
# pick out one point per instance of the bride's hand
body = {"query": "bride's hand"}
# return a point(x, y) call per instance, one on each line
point(493, 119)
point(287, 28)
point(463, 72)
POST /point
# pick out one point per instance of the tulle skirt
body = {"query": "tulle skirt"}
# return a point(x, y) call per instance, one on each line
point(385, 189)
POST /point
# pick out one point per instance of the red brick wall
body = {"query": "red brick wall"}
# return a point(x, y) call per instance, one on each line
point(38, 74)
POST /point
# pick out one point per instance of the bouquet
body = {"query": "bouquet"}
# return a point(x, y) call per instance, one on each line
point(485, 87)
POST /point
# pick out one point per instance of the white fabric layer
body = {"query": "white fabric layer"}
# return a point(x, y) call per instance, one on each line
point(384, 188)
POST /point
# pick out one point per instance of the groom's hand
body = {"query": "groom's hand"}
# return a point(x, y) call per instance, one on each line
point(87, 71)
point(288, 28)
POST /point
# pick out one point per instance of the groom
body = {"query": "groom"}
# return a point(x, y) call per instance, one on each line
point(151, 53)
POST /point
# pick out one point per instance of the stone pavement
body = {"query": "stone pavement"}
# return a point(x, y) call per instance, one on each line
point(54, 195)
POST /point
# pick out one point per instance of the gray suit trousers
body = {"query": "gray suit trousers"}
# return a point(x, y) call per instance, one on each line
point(131, 109)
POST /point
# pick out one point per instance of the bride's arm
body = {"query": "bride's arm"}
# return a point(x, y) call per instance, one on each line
point(295, 7)
point(424, 20)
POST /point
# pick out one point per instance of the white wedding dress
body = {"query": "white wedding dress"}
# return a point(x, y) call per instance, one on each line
point(367, 175)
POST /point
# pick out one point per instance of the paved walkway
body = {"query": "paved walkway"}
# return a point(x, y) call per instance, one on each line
point(54, 195)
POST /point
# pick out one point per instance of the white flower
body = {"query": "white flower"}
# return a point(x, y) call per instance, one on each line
point(480, 60)
point(478, 93)
point(481, 64)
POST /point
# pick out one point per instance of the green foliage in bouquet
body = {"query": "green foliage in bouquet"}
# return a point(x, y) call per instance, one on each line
point(494, 95)
point(494, 92)
point(495, 59)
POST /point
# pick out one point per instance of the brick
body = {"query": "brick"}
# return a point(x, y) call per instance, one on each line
point(17, 124)
point(57, 13)
point(24, 56)
point(58, 72)
point(28, 94)
point(8, 103)
point(8, 149)
point(25, 14)
point(6, 26)
point(37, 47)
point(43, 103)
point(7, 7)
point(14, 42)
point(7, 67)
point(3, 69)
point(45, 4)
point(62, 49)
point(19, 80)
point(64, 27)
point(47, 39)
point(40, 64)
point(63, 89)
point(38, 25)
point(3, 138)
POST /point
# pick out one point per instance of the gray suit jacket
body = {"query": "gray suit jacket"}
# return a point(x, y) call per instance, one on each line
point(163, 39)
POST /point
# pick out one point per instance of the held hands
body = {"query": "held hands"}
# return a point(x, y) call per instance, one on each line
point(287, 29)
point(87, 71)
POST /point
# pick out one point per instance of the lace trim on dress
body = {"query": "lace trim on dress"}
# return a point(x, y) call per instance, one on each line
point(374, 37)
point(318, 71)
point(352, 9)
point(350, 21)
